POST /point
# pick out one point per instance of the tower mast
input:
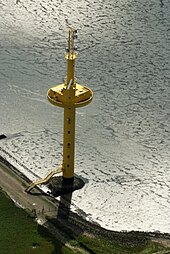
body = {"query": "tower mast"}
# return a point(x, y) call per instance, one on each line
point(69, 95)
point(69, 111)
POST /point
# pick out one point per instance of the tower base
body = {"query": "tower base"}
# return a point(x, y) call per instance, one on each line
point(60, 185)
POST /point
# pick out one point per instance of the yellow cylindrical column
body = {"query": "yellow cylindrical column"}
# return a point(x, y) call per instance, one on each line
point(69, 123)
point(70, 70)
point(69, 142)
point(69, 112)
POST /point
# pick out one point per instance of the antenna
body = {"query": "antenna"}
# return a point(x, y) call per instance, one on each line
point(71, 54)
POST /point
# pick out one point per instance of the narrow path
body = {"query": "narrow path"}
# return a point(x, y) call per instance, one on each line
point(15, 187)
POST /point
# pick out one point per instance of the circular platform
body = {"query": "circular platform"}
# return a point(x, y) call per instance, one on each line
point(59, 96)
point(60, 186)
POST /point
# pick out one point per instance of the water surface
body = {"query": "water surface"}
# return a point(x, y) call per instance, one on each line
point(122, 138)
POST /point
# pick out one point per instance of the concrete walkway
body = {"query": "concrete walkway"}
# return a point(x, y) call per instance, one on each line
point(15, 188)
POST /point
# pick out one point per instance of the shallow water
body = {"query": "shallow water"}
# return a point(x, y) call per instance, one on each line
point(122, 138)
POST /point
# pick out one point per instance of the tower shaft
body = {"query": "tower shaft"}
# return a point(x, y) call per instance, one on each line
point(70, 70)
point(69, 112)
point(68, 142)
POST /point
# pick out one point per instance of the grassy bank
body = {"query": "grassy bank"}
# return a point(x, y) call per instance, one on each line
point(115, 243)
point(104, 246)
point(20, 234)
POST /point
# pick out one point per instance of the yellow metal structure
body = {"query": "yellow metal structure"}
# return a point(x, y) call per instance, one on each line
point(69, 96)
point(46, 179)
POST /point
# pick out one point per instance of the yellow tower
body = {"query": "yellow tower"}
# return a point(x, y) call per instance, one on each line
point(69, 95)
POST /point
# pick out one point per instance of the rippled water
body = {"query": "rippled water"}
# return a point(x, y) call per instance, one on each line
point(122, 139)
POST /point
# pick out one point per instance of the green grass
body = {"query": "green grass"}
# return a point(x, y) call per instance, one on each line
point(102, 245)
point(20, 234)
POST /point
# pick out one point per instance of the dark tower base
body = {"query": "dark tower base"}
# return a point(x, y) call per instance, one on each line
point(60, 185)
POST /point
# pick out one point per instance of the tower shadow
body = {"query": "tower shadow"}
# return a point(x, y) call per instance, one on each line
point(64, 188)
point(64, 218)
point(67, 189)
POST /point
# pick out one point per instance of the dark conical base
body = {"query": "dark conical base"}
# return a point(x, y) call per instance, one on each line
point(60, 185)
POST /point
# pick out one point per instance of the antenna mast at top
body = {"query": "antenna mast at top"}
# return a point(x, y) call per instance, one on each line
point(71, 54)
